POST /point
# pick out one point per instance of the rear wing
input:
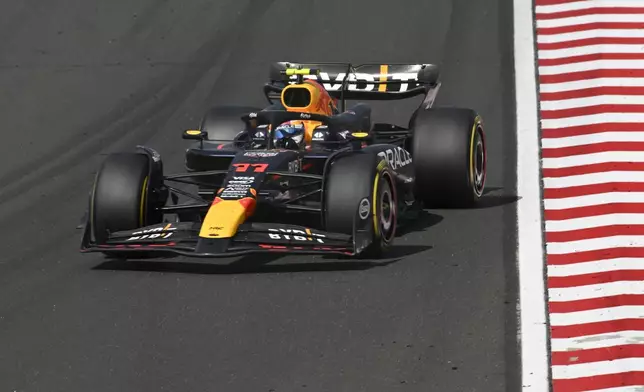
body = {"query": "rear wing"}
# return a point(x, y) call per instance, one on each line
point(360, 82)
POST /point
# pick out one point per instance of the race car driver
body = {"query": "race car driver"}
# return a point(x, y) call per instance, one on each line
point(291, 134)
point(311, 97)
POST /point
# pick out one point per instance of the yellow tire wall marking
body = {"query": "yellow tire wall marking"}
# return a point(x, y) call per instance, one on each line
point(142, 207)
point(477, 121)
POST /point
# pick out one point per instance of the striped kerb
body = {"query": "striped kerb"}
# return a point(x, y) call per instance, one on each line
point(591, 82)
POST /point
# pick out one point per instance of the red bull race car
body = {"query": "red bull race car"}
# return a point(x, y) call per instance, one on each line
point(305, 174)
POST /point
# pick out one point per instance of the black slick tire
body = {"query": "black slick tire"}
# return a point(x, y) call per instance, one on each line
point(351, 180)
point(119, 196)
point(450, 157)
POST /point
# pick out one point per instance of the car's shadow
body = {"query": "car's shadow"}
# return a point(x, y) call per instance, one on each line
point(265, 263)
point(260, 263)
point(420, 221)
point(492, 197)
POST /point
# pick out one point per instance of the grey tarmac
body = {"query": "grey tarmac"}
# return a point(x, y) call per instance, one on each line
point(82, 78)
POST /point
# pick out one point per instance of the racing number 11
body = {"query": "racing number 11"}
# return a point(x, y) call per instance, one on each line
point(258, 167)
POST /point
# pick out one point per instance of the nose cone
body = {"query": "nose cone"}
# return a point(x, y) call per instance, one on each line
point(225, 216)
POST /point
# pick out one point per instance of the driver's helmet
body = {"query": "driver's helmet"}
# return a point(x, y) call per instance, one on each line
point(289, 135)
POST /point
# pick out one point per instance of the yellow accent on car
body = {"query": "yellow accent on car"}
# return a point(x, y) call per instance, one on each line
point(360, 134)
point(295, 71)
point(142, 207)
point(223, 219)
point(384, 71)
point(477, 121)
point(376, 225)
point(193, 132)
point(381, 166)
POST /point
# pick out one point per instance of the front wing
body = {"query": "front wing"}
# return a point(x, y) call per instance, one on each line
point(183, 239)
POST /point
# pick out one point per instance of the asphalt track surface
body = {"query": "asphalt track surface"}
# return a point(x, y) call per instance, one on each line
point(83, 78)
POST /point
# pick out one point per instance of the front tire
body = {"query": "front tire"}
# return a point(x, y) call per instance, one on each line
point(119, 199)
point(450, 157)
point(353, 179)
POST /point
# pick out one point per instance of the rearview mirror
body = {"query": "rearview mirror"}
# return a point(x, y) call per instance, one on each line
point(194, 134)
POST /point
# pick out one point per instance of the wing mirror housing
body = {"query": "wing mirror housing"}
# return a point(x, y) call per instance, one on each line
point(194, 134)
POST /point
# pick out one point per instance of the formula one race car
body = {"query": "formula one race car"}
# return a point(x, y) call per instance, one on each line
point(302, 175)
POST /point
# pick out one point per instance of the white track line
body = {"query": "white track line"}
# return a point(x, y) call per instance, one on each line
point(590, 83)
point(581, 20)
point(585, 245)
point(596, 315)
point(591, 267)
point(532, 310)
point(634, 388)
point(592, 200)
point(585, 34)
point(593, 138)
point(592, 49)
point(598, 368)
point(583, 5)
point(592, 101)
point(594, 221)
point(595, 291)
point(593, 179)
point(604, 340)
point(591, 66)
point(596, 157)
point(592, 119)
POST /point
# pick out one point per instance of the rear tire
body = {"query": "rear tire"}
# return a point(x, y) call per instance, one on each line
point(450, 157)
point(119, 198)
point(352, 179)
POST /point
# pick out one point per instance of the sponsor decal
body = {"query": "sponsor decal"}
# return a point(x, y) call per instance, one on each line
point(149, 234)
point(260, 133)
point(214, 228)
point(305, 115)
point(364, 208)
point(260, 154)
point(367, 80)
point(320, 133)
point(295, 234)
point(234, 193)
point(241, 180)
point(237, 187)
point(396, 158)
point(295, 166)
